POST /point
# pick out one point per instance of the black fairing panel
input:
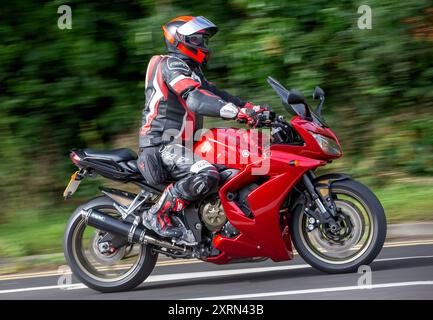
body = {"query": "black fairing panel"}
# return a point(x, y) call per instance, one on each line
point(193, 222)
point(227, 174)
point(332, 177)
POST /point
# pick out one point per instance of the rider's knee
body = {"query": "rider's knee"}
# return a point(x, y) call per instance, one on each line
point(205, 179)
point(210, 180)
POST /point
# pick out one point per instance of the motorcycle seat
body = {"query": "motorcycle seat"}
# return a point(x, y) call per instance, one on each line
point(118, 155)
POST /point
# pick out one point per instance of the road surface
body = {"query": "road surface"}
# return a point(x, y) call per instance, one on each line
point(403, 270)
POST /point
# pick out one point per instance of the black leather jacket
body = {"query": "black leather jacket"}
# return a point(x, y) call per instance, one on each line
point(177, 97)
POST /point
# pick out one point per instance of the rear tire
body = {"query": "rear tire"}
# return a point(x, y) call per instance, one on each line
point(376, 236)
point(141, 269)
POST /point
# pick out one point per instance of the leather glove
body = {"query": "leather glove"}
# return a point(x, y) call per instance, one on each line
point(257, 109)
point(247, 116)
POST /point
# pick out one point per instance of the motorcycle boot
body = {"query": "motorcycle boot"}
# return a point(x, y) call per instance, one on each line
point(161, 219)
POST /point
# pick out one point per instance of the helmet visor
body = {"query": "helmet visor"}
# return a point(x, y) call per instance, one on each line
point(197, 24)
point(198, 40)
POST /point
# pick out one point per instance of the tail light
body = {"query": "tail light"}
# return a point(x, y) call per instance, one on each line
point(75, 158)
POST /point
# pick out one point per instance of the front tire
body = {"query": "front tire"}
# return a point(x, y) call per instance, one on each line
point(88, 270)
point(365, 220)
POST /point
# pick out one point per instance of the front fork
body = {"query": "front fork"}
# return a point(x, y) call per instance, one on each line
point(325, 205)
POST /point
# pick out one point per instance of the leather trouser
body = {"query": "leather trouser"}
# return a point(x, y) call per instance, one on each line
point(194, 176)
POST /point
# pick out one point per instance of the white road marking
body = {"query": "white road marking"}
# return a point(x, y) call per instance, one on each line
point(407, 243)
point(318, 290)
point(53, 273)
point(201, 275)
point(191, 261)
point(175, 276)
point(403, 258)
point(64, 287)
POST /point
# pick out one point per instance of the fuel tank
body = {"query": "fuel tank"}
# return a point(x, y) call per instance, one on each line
point(232, 147)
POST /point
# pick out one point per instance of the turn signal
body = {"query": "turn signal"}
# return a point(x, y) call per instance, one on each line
point(294, 163)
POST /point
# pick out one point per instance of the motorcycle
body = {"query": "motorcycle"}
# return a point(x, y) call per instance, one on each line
point(335, 223)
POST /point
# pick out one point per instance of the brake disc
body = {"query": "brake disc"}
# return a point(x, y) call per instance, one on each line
point(104, 258)
point(349, 240)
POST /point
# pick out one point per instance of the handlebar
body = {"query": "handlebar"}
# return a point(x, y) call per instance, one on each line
point(265, 118)
point(282, 131)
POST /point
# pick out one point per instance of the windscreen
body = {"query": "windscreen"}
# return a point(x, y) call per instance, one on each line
point(300, 109)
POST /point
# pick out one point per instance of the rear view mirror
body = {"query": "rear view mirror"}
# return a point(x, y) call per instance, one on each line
point(318, 93)
point(295, 97)
point(293, 100)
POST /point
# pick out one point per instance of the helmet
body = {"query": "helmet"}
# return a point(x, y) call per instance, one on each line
point(187, 36)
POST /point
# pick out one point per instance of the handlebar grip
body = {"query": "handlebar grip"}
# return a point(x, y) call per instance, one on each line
point(267, 115)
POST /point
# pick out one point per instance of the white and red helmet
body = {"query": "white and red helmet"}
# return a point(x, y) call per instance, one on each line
point(188, 36)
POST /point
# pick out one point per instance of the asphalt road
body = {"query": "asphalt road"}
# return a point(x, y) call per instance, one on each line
point(402, 271)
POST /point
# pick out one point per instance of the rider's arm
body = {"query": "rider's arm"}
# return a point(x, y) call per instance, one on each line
point(223, 94)
point(178, 77)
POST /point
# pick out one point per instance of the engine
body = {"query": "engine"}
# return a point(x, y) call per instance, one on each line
point(212, 213)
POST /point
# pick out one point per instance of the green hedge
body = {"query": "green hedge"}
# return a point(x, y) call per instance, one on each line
point(82, 87)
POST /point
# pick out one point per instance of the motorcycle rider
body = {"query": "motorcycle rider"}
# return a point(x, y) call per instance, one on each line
point(177, 97)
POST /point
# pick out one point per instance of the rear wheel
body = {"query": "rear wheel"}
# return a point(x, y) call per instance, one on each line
point(362, 235)
point(102, 261)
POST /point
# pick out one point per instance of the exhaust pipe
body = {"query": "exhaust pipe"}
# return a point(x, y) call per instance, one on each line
point(134, 232)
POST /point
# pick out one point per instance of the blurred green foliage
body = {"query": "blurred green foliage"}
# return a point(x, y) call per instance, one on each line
point(61, 89)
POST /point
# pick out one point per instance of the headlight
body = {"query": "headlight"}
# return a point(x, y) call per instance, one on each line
point(329, 146)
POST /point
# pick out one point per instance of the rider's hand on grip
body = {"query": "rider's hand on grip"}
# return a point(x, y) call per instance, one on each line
point(247, 116)
point(255, 108)
point(268, 115)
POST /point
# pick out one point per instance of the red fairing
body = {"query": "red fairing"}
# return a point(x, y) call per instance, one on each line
point(266, 232)
point(264, 235)
point(311, 148)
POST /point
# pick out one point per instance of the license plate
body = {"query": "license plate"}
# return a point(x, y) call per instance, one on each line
point(72, 185)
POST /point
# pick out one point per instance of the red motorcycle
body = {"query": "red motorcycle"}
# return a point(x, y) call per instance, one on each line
point(269, 198)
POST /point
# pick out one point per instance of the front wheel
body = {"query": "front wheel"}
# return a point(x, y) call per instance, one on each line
point(362, 235)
